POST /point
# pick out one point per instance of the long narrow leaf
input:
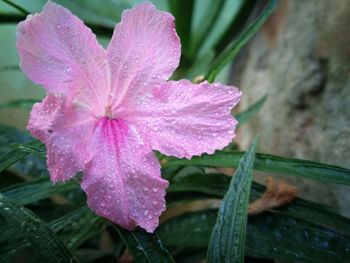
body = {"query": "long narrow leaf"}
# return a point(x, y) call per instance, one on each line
point(227, 241)
point(246, 115)
point(15, 155)
point(71, 223)
point(183, 10)
point(145, 247)
point(237, 24)
point(228, 54)
point(35, 190)
point(19, 8)
point(207, 23)
point(42, 238)
point(273, 164)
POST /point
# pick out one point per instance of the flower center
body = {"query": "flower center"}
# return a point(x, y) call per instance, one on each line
point(108, 112)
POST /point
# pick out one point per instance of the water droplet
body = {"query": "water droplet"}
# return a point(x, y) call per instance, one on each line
point(145, 189)
point(155, 189)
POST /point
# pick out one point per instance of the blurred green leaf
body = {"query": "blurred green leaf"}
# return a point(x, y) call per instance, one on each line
point(182, 10)
point(43, 240)
point(25, 103)
point(207, 23)
point(227, 241)
point(145, 247)
point(237, 24)
point(246, 115)
point(269, 235)
point(17, 7)
point(228, 54)
point(272, 164)
point(101, 15)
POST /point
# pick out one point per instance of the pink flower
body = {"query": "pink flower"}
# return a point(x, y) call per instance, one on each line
point(106, 110)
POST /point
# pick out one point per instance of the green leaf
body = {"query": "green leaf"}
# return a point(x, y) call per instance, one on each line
point(228, 54)
point(208, 21)
point(15, 155)
point(35, 190)
point(269, 235)
point(273, 164)
point(45, 242)
point(19, 8)
point(145, 247)
point(227, 241)
point(70, 223)
point(83, 229)
point(246, 115)
point(31, 149)
point(238, 22)
point(30, 165)
point(182, 11)
point(211, 184)
point(25, 103)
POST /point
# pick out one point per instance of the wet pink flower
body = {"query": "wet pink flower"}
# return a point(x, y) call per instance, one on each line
point(107, 109)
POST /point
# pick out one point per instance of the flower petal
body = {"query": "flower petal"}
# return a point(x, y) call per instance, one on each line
point(144, 50)
point(122, 181)
point(66, 130)
point(58, 51)
point(184, 119)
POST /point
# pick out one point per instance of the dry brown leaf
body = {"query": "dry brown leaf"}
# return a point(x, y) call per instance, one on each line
point(277, 194)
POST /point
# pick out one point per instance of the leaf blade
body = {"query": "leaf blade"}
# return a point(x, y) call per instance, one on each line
point(145, 247)
point(15, 155)
point(228, 54)
point(246, 115)
point(45, 242)
point(227, 241)
point(273, 164)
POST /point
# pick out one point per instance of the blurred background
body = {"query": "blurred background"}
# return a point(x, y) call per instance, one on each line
point(300, 59)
